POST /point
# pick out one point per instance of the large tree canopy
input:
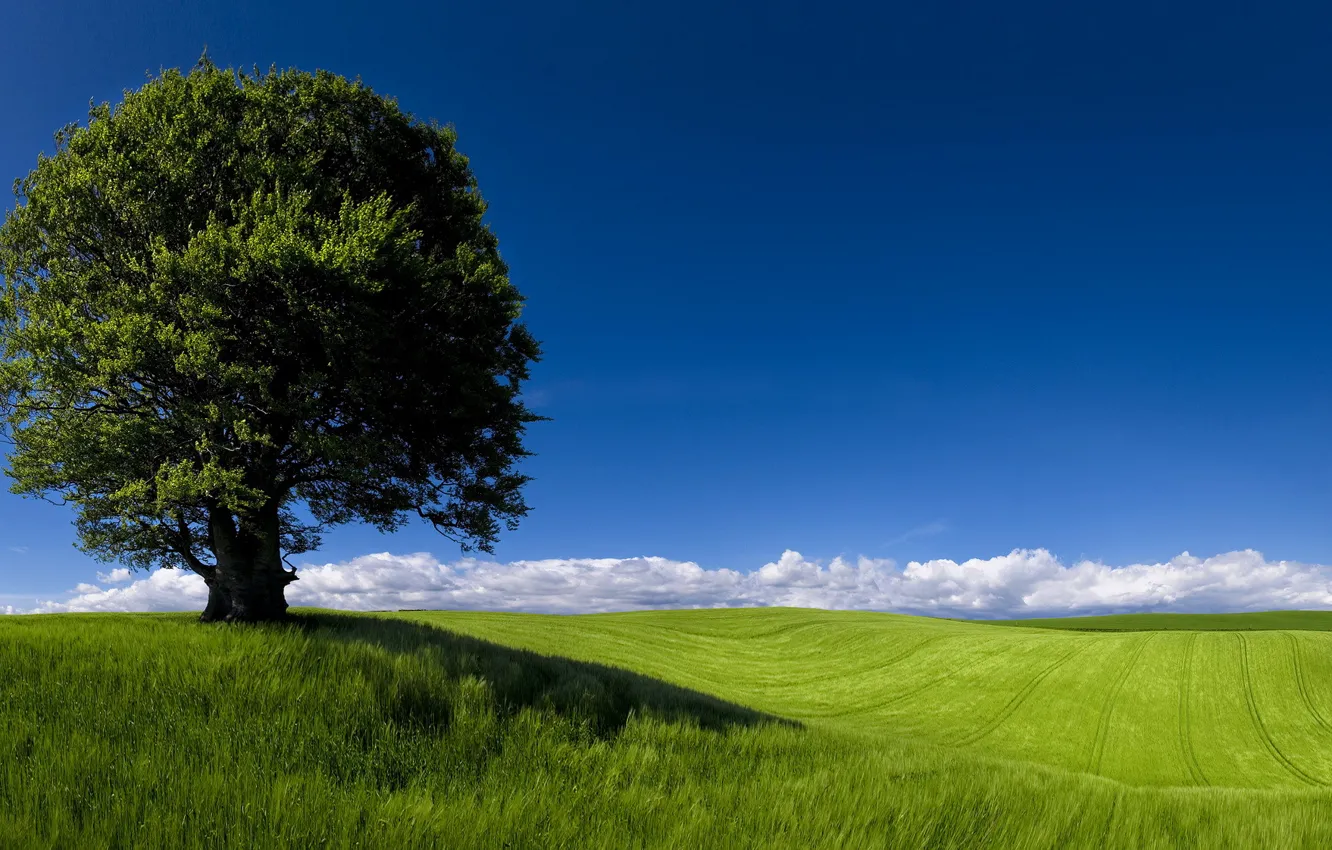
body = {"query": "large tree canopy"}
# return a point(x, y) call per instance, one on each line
point(240, 308)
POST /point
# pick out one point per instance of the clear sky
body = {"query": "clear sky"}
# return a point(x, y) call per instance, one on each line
point(902, 281)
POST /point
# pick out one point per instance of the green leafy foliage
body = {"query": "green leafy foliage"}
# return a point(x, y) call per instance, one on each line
point(233, 296)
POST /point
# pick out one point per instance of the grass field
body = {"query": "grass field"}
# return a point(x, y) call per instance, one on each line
point(1249, 707)
point(753, 728)
point(1310, 621)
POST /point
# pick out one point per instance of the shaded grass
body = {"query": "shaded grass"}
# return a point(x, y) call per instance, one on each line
point(1105, 702)
point(361, 731)
point(601, 696)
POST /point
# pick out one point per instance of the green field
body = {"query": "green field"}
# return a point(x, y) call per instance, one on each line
point(723, 728)
point(1315, 621)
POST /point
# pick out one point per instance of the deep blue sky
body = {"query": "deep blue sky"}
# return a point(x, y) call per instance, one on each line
point(814, 276)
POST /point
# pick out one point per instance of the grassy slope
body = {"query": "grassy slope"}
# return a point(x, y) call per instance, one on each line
point(375, 731)
point(1249, 709)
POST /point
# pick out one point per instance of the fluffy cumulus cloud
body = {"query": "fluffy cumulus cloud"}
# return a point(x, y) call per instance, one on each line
point(161, 590)
point(1025, 582)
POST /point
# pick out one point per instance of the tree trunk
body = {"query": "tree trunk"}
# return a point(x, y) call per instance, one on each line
point(249, 581)
point(246, 595)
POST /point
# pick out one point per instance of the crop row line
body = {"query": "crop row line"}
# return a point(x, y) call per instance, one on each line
point(907, 694)
point(1018, 698)
point(1266, 736)
point(1108, 708)
point(1302, 682)
point(880, 667)
point(1185, 734)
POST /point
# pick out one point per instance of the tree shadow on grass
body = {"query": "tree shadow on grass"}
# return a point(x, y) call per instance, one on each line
point(604, 696)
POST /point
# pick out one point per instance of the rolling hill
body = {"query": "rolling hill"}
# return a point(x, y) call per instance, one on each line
point(719, 728)
point(1230, 700)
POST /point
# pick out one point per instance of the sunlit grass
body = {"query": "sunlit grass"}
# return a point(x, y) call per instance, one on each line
point(1317, 621)
point(1244, 709)
point(378, 731)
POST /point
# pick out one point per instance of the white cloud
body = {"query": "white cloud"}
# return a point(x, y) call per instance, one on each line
point(1025, 582)
point(163, 590)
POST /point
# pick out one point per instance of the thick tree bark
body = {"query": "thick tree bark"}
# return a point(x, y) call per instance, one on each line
point(247, 595)
point(249, 581)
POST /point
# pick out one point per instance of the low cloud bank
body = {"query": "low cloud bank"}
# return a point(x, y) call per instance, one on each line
point(1025, 582)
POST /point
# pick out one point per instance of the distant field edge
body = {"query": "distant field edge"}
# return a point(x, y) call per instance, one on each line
point(1311, 621)
point(1314, 621)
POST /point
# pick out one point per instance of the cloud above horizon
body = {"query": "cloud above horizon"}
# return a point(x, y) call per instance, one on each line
point(1023, 583)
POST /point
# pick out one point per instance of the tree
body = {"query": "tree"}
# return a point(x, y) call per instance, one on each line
point(239, 309)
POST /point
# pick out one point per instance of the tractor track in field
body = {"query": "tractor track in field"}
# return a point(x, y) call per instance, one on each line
point(1108, 708)
point(1185, 734)
point(891, 662)
point(1302, 681)
point(907, 653)
point(1252, 701)
point(1020, 697)
point(907, 694)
